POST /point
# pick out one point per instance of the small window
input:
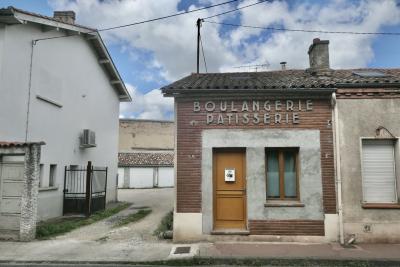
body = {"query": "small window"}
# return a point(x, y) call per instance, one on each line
point(41, 176)
point(282, 173)
point(52, 174)
point(378, 171)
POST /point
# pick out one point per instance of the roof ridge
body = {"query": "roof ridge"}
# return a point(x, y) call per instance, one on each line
point(12, 8)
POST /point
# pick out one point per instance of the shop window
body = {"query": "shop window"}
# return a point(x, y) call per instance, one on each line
point(282, 173)
point(378, 171)
point(52, 174)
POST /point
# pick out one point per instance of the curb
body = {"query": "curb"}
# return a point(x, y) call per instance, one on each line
point(204, 261)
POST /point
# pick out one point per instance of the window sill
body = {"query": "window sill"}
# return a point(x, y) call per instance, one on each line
point(52, 188)
point(381, 206)
point(283, 203)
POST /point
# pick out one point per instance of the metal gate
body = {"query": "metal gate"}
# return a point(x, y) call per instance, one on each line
point(84, 189)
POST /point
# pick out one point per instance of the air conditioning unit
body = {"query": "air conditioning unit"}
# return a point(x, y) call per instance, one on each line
point(88, 139)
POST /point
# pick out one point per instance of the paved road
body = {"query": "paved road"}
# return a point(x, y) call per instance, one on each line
point(159, 200)
point(101, 242)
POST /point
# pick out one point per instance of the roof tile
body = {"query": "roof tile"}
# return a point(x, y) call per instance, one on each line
point(143, 159)
point(281, 79)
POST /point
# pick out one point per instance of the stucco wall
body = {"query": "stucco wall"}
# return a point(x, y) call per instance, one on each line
point(66, 71)
point(255, 142)
point(369, 115)
point(145, 134)
point(2, 36)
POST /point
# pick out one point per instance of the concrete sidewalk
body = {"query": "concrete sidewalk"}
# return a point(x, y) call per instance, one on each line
point(84, 251)
point(269, 250)
point(131, 251)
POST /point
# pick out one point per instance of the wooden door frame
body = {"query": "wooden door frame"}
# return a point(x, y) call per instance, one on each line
point(214, 172)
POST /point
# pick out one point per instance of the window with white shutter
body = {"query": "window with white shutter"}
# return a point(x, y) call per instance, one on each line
point(378, 171)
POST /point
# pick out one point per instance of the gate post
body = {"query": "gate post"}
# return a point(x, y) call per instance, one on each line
point(88, 188)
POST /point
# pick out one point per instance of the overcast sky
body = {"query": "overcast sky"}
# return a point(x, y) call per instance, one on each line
point(152, 55)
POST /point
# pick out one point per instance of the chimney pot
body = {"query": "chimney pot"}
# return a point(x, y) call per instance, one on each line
point(316, 40)
point(319, 56)
point(65, 16)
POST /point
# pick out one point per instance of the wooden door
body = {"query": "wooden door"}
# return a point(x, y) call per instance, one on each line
point(229, 189)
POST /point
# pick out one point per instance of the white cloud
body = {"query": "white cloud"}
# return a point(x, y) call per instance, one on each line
point(172, 42)
point(346, 51)
point(151, 105)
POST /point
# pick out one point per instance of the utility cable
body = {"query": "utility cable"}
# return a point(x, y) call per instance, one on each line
point(236, 9)
point(143, 21)
point(302, 30)
point(204, 56)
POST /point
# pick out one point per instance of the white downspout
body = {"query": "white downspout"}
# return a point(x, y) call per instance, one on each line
point(336, 145)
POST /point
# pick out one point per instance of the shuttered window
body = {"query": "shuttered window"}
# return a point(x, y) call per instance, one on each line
point(378, 171)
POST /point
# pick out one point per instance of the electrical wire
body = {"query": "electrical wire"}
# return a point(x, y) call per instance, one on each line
point(236, 9)
point(143, 21)
point(204, 56)
point(302, 30)
point(165, 17)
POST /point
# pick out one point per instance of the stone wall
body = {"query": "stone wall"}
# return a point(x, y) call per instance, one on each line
point(19, 182)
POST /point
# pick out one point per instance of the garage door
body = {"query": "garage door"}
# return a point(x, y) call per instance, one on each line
point(11, 186)
point(121, 172)
point(141, 178)
point(165, 177)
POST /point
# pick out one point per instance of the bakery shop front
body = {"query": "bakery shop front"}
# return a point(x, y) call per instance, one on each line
point(254, 156)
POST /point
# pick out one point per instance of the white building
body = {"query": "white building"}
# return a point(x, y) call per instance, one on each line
point(146, 153)
point(52, 89)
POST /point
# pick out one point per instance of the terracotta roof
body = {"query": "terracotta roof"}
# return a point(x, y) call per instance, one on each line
point(143, 159)
point(282, 79)
point(4, 144)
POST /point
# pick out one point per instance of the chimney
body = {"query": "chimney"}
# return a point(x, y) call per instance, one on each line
point(283, 65)
point(319, 56)
point(65, 16)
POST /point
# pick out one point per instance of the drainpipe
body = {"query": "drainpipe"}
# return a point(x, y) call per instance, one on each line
point(338, 167)
point(28, 104)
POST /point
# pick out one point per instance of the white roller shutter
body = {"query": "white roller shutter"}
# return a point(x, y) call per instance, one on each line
point(121, 174)
point(165, 176)
point(378, 170)
point(141, 177)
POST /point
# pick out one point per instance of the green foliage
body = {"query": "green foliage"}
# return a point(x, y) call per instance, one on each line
point(59, 226)
point(166, 224)
point(133, 217)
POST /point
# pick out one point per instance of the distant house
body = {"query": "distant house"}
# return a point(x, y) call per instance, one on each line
point(146, 157)
point(59, 85)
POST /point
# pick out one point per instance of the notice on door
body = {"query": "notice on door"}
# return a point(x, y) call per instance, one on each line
point(229, 175)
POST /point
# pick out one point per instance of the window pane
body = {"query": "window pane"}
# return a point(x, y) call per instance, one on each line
point(290, 174)
point(272, 174)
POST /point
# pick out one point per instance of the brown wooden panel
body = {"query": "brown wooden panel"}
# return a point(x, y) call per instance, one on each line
point(229, 197)
point(230, 208)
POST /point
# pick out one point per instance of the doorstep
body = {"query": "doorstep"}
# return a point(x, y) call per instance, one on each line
point(230, 232)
